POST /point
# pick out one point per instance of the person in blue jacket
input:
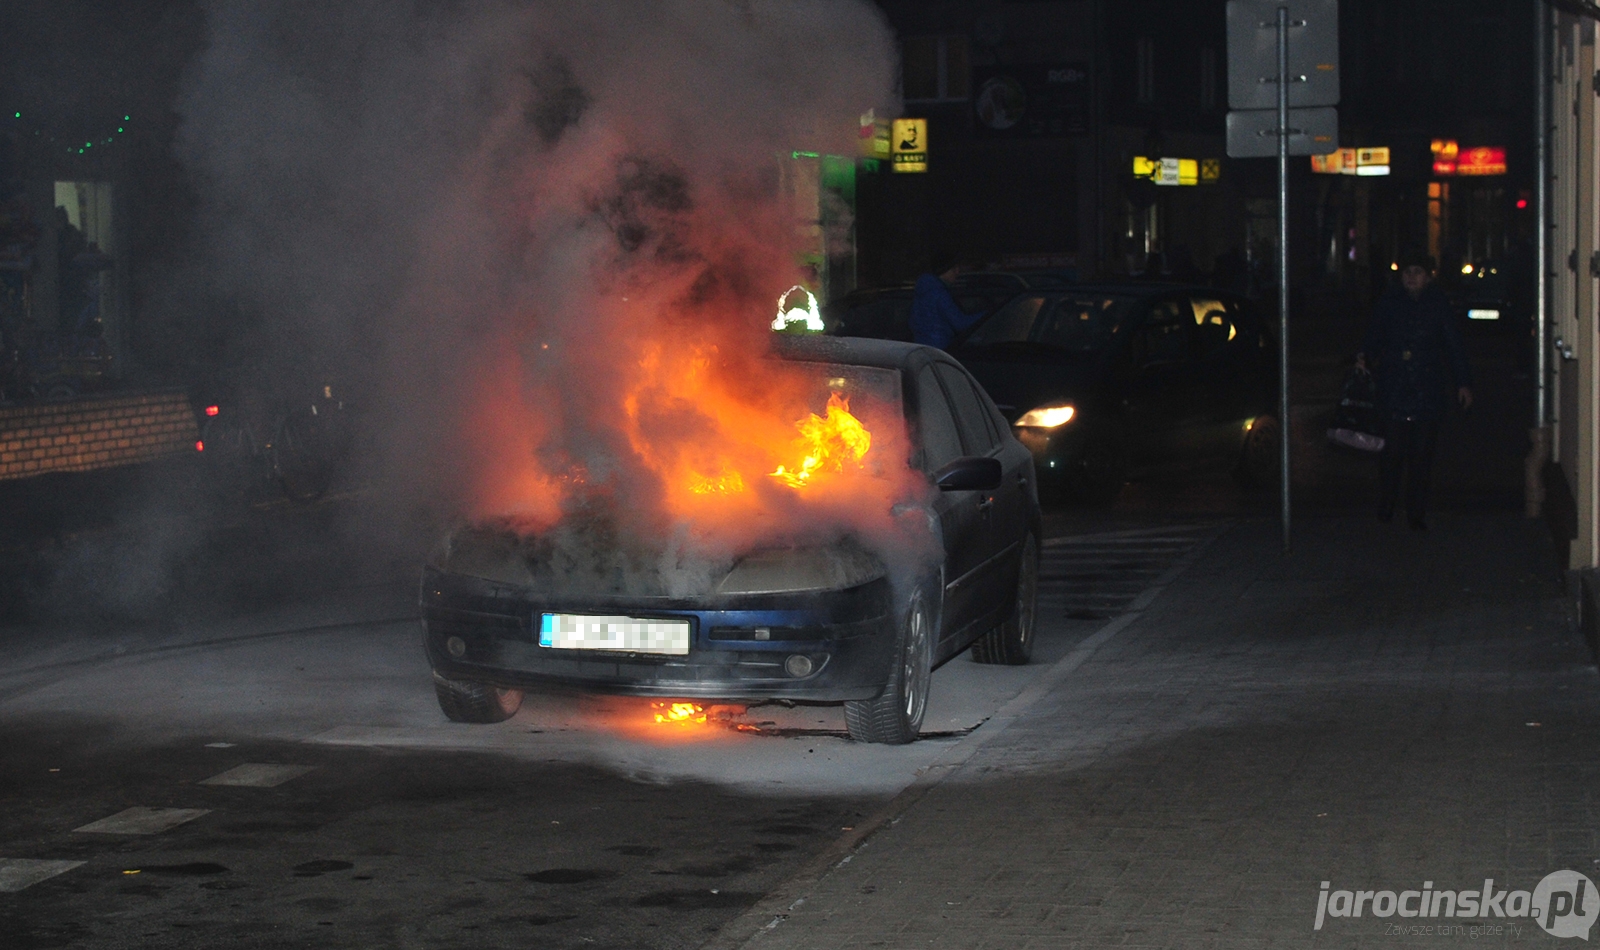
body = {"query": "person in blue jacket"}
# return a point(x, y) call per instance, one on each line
point(935, 316)
point(1413, 346)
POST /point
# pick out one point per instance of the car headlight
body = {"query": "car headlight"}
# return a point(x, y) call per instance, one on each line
point(1047, 417)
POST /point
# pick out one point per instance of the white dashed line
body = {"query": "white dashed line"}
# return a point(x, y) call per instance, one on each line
point(259, 775)
point(140, 820)
point(18, 873)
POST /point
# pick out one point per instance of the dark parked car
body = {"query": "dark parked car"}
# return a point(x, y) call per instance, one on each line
point(1097, 380)
point(884, 313)
point(826, 624)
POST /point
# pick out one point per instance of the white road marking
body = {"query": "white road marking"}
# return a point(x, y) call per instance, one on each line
point(18, 873)
point(258, 775)
point(1098, 576)
point(140, 820)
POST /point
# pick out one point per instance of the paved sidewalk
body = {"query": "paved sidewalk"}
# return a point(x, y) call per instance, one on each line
point(1381, 710)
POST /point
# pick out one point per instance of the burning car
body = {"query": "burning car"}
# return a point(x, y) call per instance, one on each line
point(859, 617)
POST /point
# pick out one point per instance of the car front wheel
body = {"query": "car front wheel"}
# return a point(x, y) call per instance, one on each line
point(475, 702)
point(896, 715)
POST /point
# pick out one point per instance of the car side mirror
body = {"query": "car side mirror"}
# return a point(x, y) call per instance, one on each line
point(969, 473)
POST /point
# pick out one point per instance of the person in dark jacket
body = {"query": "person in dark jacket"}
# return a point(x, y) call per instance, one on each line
point(935, 316)
point(1414, 348)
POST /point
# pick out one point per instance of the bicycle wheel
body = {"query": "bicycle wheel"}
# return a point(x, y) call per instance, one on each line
point(300, 457)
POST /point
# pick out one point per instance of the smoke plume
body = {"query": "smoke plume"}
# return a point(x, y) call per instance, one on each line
point(513, 230)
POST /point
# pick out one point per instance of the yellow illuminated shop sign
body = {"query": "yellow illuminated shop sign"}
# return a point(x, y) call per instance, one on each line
point(910, 140)
point(1366, 162)
point(1178, 171)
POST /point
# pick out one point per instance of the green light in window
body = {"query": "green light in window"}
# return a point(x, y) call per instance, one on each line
point(119, 128)
point(88, 145)
point(804, 155)
point(127, 118)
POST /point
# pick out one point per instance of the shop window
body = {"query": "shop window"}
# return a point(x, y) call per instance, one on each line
point(1208, 79)
point(935, 68)
point(86, 250)
point(1144, 58)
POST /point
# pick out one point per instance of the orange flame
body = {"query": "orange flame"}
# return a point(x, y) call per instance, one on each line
point(826, 444)
point(679, 712)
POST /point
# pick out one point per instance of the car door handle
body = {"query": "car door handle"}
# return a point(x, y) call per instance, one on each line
point(986, 504)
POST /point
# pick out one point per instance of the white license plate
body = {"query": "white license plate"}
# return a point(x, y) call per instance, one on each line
point(628, 634)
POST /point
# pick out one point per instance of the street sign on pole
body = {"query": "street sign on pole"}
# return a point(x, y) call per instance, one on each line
point(1283, 75)
point(1253, 133)
point(1253, 53)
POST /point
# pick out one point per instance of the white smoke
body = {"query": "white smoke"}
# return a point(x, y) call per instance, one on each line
point(467, 211)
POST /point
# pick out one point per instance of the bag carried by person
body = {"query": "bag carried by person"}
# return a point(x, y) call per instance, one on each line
point(1356, 423)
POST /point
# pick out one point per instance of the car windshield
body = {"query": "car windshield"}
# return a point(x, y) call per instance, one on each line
point(1079, 323)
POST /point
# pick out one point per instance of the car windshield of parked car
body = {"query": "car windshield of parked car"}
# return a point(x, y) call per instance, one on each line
point(1078, 323)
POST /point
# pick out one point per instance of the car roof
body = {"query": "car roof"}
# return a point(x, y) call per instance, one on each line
point(850, 350)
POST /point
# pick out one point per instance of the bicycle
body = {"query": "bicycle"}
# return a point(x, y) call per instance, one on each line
point(293, 447)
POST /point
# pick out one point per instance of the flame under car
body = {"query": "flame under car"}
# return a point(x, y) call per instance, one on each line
point(806, 622)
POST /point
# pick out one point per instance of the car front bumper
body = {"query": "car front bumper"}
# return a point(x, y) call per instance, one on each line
point(847, 635)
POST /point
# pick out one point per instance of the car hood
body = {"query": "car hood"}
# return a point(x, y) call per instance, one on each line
point(1019, 380)
point(504, 557)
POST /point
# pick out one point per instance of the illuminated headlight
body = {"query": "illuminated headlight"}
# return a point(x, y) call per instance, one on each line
point(1483, 314)
point(1047, 417)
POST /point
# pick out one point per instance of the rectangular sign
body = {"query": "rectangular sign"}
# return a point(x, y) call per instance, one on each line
point(910, 141)
point(1253, 53)
point(1030, 100)
point(1253, 133)
point(873, 135)
point(627, 634)
point(1481, 161)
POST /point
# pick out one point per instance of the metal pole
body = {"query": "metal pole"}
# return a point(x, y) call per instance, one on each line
point(1541, 200)
point(1283, 266)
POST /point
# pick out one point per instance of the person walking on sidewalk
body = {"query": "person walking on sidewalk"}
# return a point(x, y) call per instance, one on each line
point(1414, 345)
point(936, 318)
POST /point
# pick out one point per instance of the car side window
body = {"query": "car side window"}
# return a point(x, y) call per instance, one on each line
point(941, 441)
point(976, 430)
point(1167, 334)
point(1010, 324)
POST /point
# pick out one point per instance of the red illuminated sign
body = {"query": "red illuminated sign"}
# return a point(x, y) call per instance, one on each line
point(1481, 161)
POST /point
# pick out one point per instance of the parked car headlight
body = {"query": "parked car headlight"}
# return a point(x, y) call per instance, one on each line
point(1047, 417)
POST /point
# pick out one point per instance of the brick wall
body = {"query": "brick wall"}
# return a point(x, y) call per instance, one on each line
point(92, 433)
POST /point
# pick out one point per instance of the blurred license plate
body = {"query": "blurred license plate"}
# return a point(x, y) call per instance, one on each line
point(629, 634)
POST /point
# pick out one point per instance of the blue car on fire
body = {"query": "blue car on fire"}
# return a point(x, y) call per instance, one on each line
point(824, 624)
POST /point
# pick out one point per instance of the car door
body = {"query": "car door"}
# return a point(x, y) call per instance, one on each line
point(993, 577)
point(1164, 399)
point(1223, 357)
point(960, 518)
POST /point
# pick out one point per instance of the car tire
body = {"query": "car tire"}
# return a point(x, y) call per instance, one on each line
point(1259, 455)
point(475, 702)
point(1011, 643)
point(300, 459)
point(1097, 475)
point(895, 717)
